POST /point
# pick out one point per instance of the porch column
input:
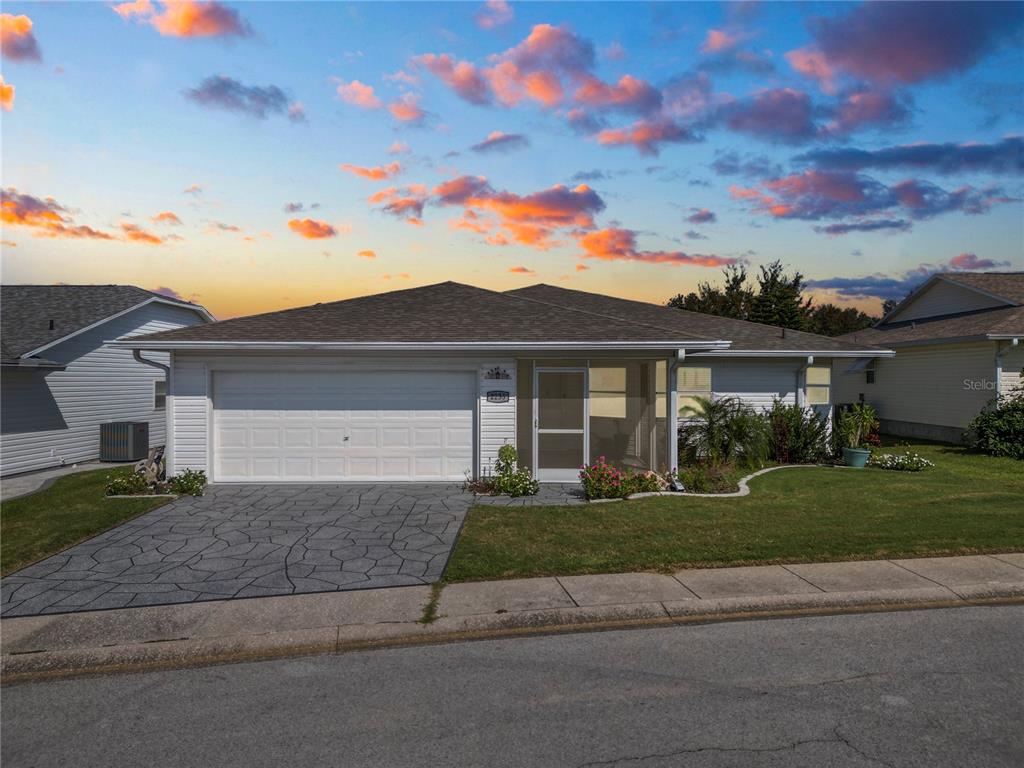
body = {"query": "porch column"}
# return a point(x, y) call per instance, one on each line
point(672, 416)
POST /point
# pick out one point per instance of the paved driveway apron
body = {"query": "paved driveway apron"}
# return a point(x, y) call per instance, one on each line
point(247, 541)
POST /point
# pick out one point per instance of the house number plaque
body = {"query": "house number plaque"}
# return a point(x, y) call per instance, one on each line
point(497, 396)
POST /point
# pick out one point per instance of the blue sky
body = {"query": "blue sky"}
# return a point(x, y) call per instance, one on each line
point(117, 110)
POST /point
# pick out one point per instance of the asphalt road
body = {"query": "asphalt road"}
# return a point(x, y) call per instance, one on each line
point(924, 688)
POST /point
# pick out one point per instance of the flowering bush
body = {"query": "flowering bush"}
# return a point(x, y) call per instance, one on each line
point(127, 484)
point(601, 480)
point(190, 482)
point(901, 462)
point(508, 478)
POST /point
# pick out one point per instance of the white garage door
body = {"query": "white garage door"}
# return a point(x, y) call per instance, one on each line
point(293, 426)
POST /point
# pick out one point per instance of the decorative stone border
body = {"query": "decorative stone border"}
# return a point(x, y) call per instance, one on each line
point(743, 491)
point(141, 496)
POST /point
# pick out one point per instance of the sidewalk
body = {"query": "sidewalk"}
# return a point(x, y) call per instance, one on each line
point(247, 629)
point(16, 486)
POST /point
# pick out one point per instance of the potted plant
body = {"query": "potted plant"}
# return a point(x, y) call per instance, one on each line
point(855, 424)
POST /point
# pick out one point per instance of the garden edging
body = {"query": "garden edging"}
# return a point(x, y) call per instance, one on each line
point(743, 491)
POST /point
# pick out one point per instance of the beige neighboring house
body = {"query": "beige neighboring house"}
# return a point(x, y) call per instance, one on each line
point(957, 342)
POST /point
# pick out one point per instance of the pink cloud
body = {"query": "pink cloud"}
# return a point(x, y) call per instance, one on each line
point(17, 41)
point(186, 18)
point(701, 216)
point(647, 136)
point(494, 13)
point(629, 94)
point(461, 76)
point(377, 173)
point(615, 244)
point(367, 254)
point(167, 217)
point(399, 148)
point(777, 114)
point(810, 62)
point(407, 109)
point(311, 229)
point(44, 217)
point(6, 95)
point(359, 94)
point(521, 270)
point(718, 41)
point(865, 109)
point(903, 42)
point(405, 203)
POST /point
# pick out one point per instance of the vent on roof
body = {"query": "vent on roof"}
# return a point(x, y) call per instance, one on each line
point(51, 325)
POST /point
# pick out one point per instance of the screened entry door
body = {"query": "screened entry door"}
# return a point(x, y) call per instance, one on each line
point(560, 423)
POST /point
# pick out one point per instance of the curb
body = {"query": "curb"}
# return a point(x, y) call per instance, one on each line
point(197, 652)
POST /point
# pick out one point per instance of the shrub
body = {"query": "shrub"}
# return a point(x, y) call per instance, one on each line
point(190, 482)
point(999, 429)
point(708, 478)
point(508, 478)
point(856, 424)
point(796, 435)
point(127, 484)
point(722, 431)
point(601, 480)
point(901, 462)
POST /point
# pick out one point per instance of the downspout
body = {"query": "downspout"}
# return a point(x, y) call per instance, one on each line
point(168, 411)
point(137, 354)
point(801, 381)
point(672, 417)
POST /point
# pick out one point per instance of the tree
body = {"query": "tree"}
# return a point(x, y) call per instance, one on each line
point(830, 320)
point(779, 300)
point(734, 300)
point(889, 305)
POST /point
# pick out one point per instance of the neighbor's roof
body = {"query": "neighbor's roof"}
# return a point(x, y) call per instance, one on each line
point(999, 322)
point(745, 336)
point(1004, 285)
point(26, 311)
point(991, 322)
point(442, 314)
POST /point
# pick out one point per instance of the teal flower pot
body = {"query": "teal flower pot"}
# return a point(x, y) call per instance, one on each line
point(856, 457)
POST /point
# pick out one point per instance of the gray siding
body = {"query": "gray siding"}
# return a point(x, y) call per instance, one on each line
point(52, 420)
point(943, 385)
point(945, 298)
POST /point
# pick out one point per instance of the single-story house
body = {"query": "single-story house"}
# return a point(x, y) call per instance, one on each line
point(61, 380)
point(957, 342)
point(428, 383)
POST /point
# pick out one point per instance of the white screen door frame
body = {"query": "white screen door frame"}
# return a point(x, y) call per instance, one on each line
point(560, 474)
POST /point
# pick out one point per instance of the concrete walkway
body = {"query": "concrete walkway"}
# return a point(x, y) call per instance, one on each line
point(16, 486)
point(198, 633)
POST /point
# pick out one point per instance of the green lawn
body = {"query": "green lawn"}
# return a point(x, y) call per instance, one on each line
point(966, 504)
point(73, 509)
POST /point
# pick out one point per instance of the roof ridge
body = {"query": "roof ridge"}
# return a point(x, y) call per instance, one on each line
point(692, 336)
point(673, 309)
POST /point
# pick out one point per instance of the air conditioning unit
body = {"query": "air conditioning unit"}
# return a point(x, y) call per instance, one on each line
point(124, 440)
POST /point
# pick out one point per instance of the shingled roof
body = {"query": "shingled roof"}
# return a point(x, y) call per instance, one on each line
point(32, 316)
point(991, 322)
point(444, 313)
point(454, 314)
point(1004, 285)
point(744, 335)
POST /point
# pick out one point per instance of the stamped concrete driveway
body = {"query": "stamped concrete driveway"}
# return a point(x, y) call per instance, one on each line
point(248, 541)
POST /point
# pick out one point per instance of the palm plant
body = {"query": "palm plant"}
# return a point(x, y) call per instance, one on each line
point(723, 430)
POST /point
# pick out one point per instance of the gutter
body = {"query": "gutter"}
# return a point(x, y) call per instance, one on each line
point(137, 354)
point(880, 352)
point(140, 344)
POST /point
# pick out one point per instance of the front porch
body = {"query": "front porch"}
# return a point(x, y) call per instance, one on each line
point(571, 412)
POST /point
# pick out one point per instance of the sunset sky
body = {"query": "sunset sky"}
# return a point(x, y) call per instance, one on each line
point(256, 156)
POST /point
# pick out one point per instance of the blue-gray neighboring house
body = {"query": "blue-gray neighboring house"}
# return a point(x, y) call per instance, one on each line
point(60, 378)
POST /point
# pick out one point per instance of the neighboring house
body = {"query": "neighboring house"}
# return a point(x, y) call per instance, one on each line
point(60, 377)
point(428, 383)
point(957, 343)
